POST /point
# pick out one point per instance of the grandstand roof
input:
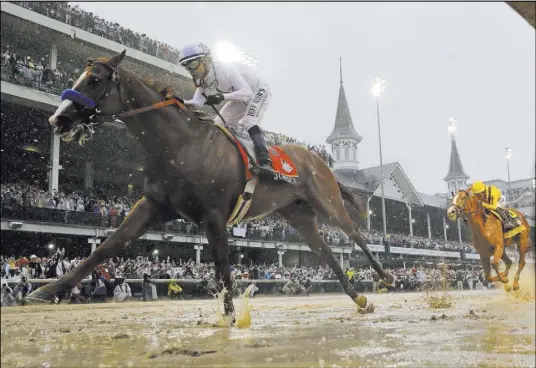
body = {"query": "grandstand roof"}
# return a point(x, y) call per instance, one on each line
point(344, 127)
point(527, 9)
point(370, 179)
point(455, 166)
point(433, 200)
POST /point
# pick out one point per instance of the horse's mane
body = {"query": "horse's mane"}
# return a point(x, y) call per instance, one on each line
point(155, 85)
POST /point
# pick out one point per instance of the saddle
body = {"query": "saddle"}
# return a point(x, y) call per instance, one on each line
point(282, 164)
point(510, 221)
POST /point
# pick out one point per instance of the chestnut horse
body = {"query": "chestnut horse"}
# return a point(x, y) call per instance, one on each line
point(488, 236)
point(194, 171)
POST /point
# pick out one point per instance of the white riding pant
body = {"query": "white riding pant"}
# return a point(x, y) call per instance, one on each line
point(241, 115)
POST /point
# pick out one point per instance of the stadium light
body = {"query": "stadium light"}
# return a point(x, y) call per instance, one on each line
point(509, 153)
point(50, 246)
point(452, 126)
point(413, 220)
point(227, 52)
point(155, 251)
point(370, 212)
point(378, 89)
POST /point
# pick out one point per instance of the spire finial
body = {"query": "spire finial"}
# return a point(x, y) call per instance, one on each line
point(340, 67)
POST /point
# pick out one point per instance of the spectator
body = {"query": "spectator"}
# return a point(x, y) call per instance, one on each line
point(173, 289)
point(122, 290)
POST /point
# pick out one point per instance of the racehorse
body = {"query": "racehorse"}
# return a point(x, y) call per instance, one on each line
point(194, 171)
point(489, 237)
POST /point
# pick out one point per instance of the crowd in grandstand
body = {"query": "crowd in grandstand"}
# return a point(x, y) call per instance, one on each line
point(298, 280)
point(111, 211)
point(74, 16)
point(35, 71)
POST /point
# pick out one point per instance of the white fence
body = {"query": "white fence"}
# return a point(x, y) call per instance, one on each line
point(179, 281)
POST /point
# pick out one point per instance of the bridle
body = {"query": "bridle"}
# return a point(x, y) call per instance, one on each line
point(460, 209)
point(91, 106)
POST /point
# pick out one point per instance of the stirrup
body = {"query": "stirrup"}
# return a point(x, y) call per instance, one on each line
point(265, 170)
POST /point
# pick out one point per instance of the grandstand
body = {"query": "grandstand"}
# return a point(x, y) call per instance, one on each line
point(75, 196)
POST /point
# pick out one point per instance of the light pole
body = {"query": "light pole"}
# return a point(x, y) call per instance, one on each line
point(454, 188)
point(377, 90)
point(509, 155)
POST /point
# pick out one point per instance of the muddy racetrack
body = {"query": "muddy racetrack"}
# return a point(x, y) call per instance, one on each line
point(484, 328)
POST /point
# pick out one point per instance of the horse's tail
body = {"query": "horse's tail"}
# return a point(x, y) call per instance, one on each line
point(355, 201)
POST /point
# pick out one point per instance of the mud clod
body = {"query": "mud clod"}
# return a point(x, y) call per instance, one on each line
point(257, 345)
point(121, 336)
point(176, 350)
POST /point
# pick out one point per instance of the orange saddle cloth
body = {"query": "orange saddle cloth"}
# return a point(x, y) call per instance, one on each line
point(282, 163)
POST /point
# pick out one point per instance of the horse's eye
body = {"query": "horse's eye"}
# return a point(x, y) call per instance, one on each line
point(93, 81)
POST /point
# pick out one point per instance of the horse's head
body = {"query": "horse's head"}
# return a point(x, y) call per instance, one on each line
point(96, 91)
point(462, 202)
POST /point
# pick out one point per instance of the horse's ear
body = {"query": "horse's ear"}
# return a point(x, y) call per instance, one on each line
point(116, 60)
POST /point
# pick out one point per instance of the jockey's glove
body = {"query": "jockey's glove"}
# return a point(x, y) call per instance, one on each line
point(214, 99)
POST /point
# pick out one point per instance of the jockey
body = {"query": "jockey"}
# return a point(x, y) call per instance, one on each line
point(490, 196)
point(244, 94)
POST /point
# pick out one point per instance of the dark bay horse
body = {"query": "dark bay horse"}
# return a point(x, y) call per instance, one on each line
point(488, 236)
point(193, 171)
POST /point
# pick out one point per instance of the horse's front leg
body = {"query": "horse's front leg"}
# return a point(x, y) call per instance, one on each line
point(214, 224)
point(134, 226)
point(497, 255)
point(486, 265)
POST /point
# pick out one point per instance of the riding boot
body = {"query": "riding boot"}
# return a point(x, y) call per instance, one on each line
point(261, 150)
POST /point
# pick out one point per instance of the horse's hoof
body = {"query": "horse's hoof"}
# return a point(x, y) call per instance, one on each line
point(504, 280)
point(507, 288)
point(361, 301)
point(389, 280)
point(41, 297)
point(515, 286)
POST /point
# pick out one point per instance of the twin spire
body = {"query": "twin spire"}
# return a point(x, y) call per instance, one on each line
point(344, 127)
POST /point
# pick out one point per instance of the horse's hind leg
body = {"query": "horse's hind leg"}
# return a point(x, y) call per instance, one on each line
point(523, 247)
point(134, 226)
point(328, 202)
point(302, 217)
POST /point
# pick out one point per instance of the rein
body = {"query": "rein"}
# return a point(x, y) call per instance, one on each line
point(97, 119)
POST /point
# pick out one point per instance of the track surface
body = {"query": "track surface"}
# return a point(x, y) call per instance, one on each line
point(314, 331)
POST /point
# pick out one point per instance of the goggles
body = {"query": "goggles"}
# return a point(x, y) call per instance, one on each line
point(192, 65)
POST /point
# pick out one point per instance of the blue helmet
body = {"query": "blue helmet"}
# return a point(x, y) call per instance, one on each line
point(193, 51)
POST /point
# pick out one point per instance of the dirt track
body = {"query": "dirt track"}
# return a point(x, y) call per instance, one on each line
point(316, 331)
